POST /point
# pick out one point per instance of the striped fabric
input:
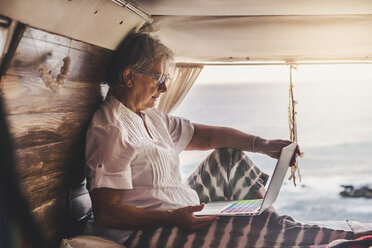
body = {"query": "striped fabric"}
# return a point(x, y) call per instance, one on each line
point(229, 174)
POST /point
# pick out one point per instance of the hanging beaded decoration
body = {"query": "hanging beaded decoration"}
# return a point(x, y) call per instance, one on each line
point(293, 125)
point(51, 82)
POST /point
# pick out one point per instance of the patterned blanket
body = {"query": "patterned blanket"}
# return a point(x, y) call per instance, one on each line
point(266, 230)
point(229, 174)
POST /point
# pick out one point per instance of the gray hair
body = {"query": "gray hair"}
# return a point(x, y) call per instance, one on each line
point(137, 51)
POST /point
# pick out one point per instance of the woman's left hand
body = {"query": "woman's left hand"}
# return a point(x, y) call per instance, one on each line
point(273, 148)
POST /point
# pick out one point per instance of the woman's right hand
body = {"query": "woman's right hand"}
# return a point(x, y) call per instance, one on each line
point(184, 218)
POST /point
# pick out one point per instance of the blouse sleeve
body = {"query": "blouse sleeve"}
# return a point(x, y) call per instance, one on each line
point(108, 158)
point(180, 130)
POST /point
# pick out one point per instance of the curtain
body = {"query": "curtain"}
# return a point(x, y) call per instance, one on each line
point(184, 77)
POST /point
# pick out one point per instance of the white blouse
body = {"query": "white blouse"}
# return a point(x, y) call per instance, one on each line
point(144, 164)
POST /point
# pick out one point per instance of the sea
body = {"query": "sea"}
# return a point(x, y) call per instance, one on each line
point(334, 122)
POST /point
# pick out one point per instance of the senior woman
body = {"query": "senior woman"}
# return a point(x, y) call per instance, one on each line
point(133, 164)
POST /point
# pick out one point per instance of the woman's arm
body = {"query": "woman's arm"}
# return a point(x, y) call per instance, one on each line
point(210, 137)
point(109, 212)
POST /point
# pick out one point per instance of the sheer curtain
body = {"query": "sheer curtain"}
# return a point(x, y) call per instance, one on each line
point(184, 77)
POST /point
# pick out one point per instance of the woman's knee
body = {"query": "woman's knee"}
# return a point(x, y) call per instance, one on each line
point(232, 151)
point(230, 156)
point(225, 159)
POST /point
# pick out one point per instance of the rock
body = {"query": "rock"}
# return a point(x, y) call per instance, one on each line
point(351, 191)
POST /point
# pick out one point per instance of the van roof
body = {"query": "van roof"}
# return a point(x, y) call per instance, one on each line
point(242, 31)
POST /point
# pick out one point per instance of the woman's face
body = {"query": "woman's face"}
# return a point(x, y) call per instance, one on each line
point(145, 90)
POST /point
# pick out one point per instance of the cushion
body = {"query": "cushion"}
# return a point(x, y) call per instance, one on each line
point(85, 241)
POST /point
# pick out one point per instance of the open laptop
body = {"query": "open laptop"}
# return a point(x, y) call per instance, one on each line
point(254, 206)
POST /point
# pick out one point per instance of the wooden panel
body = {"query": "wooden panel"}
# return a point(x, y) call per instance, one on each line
point(86, 66)
point(50, 218)
point(38, 34)
point(63, 41)
point(39, 161)
point(38, 129)
point(44, 188)
point(46, 173)
point(49, 127)
point(66, 156)
point(37, 98)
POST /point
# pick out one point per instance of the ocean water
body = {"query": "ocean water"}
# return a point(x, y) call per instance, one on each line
point(334, 131)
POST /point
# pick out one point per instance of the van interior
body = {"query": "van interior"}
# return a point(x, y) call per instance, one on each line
point(54, 55)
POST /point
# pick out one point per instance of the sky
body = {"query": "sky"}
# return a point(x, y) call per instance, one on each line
point(275, 73)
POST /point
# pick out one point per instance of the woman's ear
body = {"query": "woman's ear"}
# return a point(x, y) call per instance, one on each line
point(128, 77)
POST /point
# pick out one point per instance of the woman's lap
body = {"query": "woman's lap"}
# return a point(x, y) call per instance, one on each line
point(266, 230)
point(228, 174)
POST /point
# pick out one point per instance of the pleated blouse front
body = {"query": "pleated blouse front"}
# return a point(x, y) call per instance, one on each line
point(122, 154)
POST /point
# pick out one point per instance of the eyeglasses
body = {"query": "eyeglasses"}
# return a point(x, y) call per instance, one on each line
point(162, 79)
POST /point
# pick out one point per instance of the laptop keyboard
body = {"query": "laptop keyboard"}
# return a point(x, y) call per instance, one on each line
point(243, 206)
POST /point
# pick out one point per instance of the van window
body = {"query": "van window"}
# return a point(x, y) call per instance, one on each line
point(334, 118)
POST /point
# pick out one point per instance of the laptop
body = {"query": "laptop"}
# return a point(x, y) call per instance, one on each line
point(255, 206)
